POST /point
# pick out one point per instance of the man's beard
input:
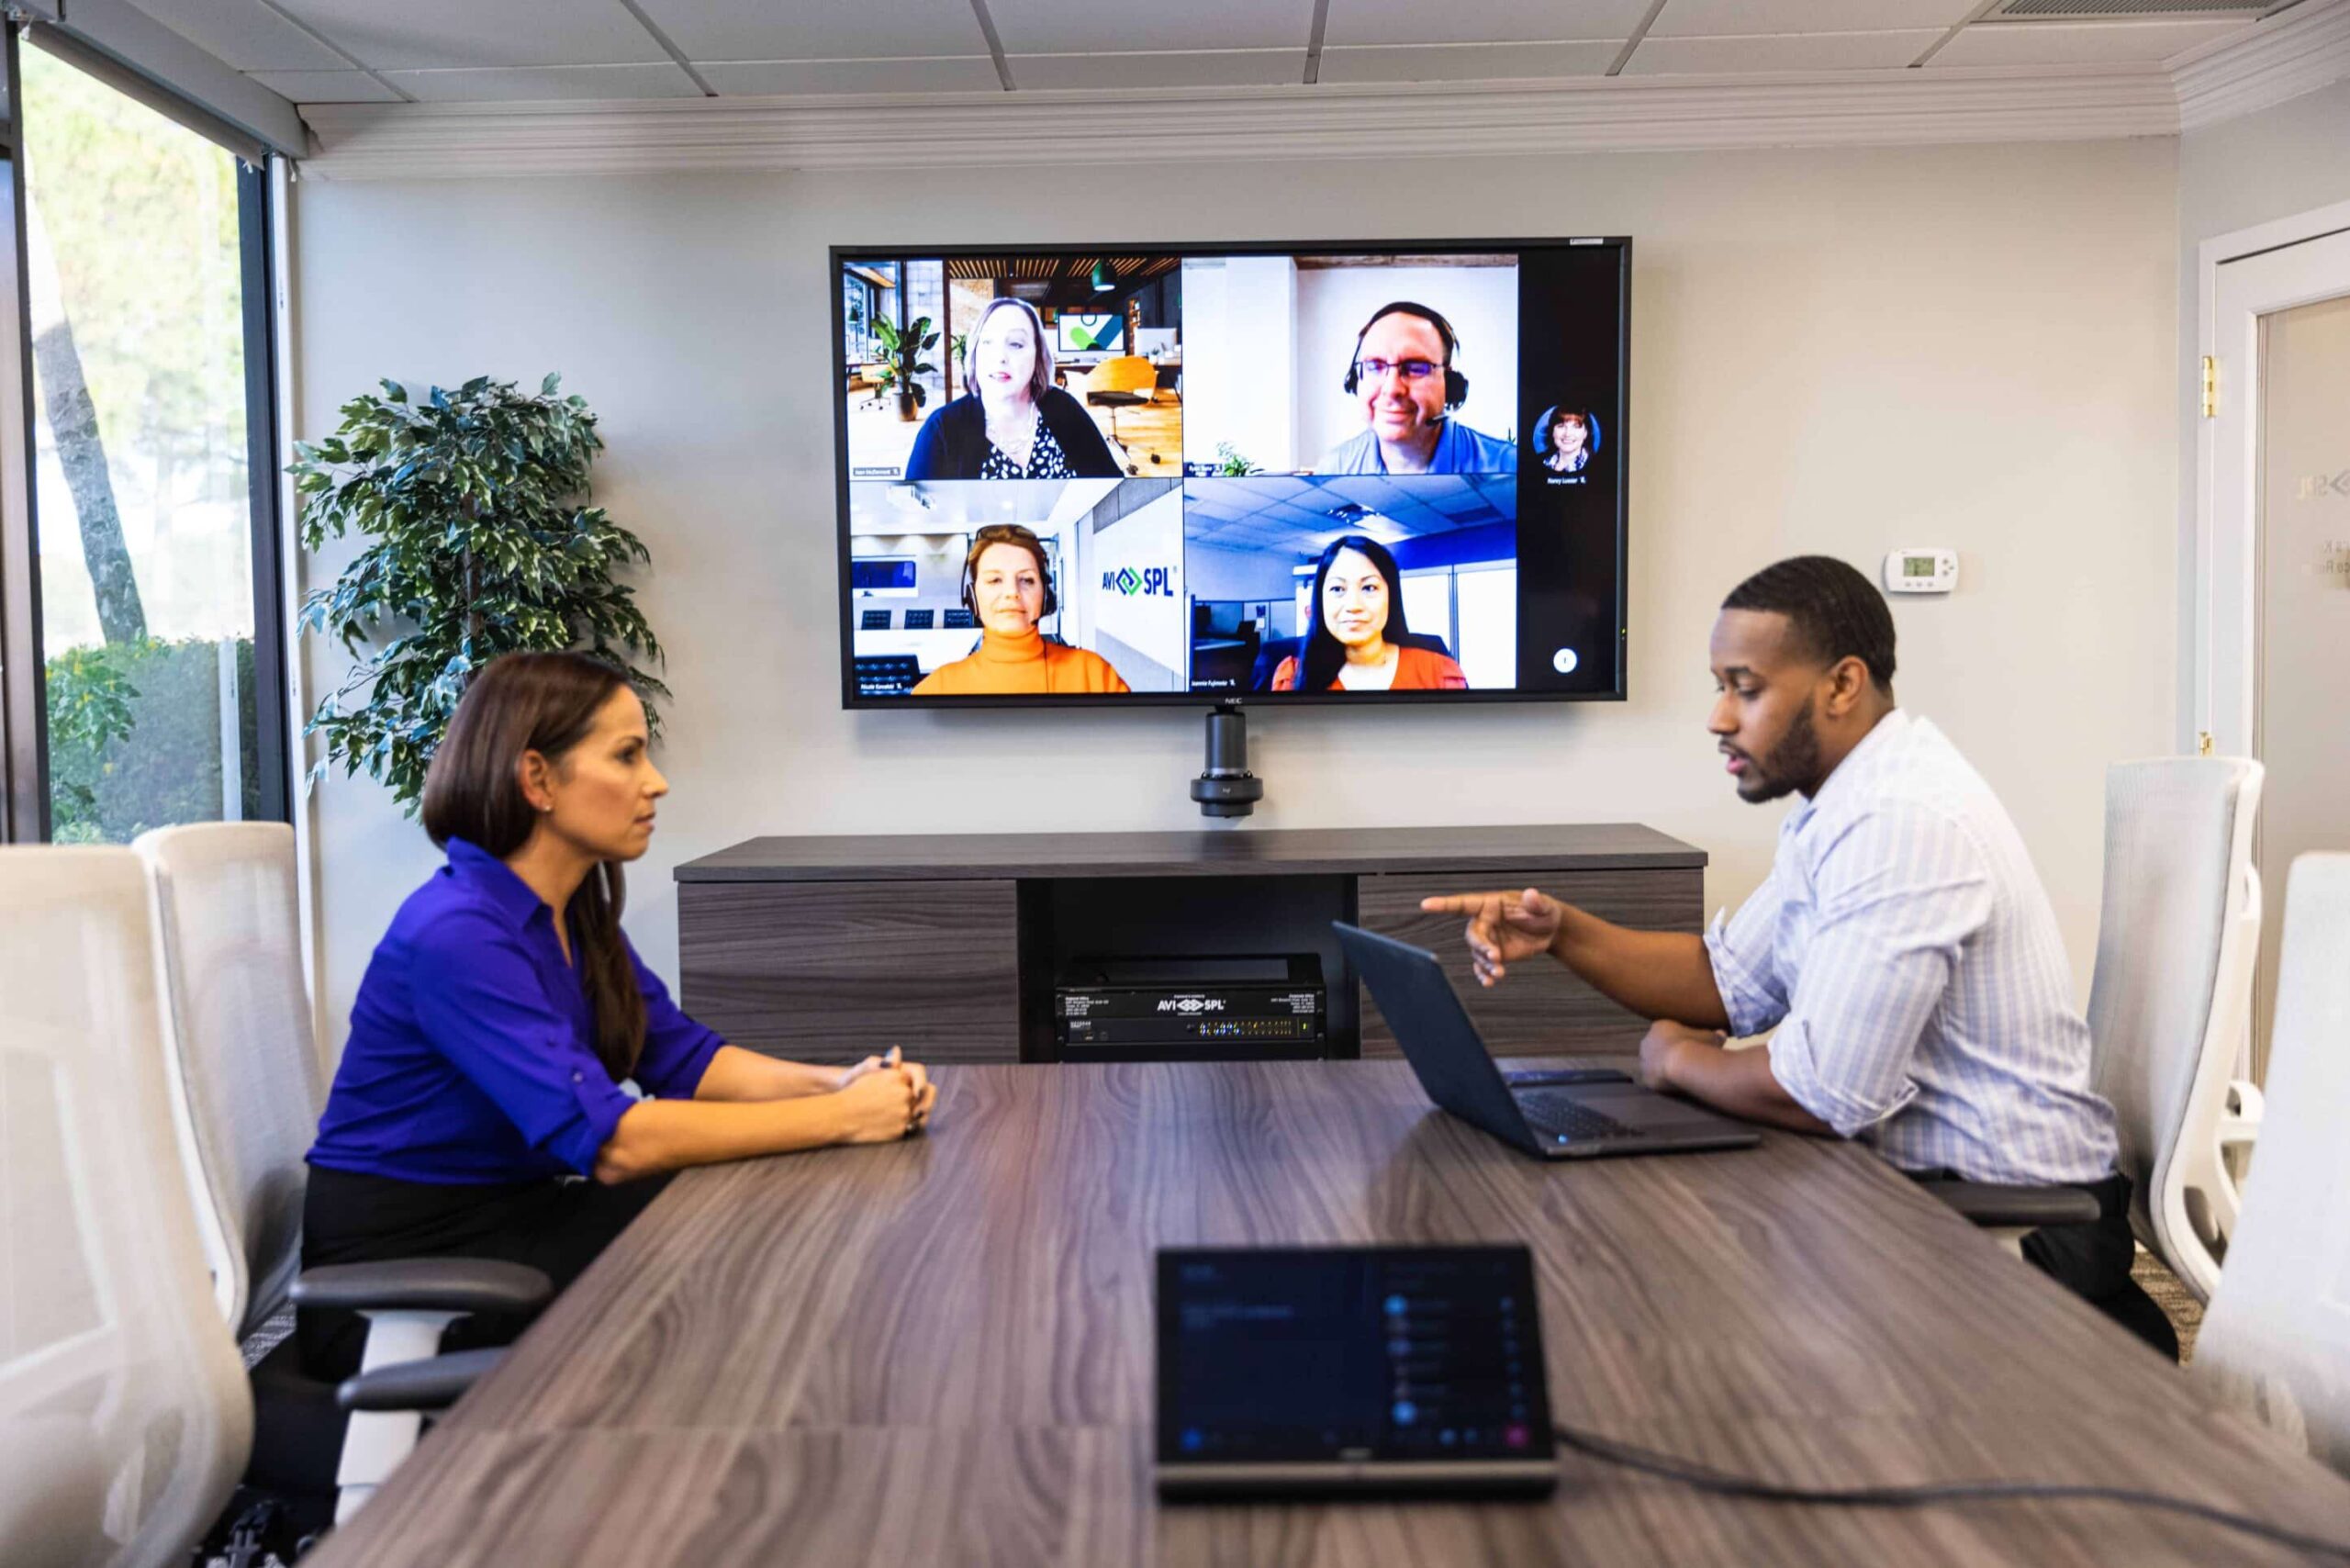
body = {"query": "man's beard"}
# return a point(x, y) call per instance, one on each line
point(1791, 766)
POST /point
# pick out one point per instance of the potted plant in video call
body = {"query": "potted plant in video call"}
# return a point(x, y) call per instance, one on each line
point(479, 543)
point(901, 362)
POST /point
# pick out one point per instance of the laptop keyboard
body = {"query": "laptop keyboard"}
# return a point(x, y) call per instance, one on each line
point(1550, 1113)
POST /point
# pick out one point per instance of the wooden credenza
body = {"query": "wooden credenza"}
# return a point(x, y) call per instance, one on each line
point(950, 945)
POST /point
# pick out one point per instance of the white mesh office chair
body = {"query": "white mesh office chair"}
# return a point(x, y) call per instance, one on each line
point(2277, 1340)
point(2179, 939)
point(122, 1400)
point(251, 1087)
point(2178, 933)
point(241, 1029)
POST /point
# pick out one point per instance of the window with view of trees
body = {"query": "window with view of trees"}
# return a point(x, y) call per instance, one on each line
point(142, 484)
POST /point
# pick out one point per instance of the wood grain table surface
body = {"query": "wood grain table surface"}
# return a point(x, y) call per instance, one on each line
point(940, 1351)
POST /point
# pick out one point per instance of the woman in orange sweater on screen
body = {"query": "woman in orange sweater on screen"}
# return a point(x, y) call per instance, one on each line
point(1008, 589)
point(1359, 642)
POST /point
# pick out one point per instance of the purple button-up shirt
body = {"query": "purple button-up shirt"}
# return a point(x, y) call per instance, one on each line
point(472, 1056)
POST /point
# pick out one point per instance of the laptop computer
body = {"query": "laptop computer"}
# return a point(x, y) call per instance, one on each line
point(1565, 1120)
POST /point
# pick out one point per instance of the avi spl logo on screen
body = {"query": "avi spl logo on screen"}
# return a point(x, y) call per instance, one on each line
point(1150, 582)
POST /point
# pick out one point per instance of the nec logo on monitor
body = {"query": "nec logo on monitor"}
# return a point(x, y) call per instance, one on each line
point(1151, 581)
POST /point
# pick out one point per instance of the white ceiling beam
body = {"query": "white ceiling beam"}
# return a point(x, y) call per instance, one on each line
point(2282, 57)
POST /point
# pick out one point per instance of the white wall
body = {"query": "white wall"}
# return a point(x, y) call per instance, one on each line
point(1840, 350)
point(2278, 164)
point(1240, 360)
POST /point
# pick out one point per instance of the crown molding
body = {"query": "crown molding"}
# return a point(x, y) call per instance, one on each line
point(2305, 48)
point(387, 141)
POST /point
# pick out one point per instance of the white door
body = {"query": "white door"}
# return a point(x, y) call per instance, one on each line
point(2275, 678)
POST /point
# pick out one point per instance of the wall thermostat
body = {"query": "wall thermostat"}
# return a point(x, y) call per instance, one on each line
point(1921, 571)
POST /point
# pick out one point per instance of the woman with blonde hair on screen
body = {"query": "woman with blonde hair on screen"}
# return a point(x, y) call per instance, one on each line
point(1008, 589)
point(1015, 424)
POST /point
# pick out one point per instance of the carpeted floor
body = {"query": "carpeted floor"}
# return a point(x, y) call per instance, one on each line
point(2186, 1314)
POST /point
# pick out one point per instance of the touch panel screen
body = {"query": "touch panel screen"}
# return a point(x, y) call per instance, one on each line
point(1362, 1357)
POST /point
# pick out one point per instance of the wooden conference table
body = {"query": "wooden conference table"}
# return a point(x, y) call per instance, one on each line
point(941, 1351)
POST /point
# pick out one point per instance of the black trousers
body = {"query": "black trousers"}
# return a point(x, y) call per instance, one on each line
point(556, 1227)
point(2093, 1261)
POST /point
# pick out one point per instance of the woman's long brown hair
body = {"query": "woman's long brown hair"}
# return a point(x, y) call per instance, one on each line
point(547, 703)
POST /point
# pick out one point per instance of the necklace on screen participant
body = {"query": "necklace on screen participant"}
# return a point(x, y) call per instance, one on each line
point(1045, 460)
point(1011, 430)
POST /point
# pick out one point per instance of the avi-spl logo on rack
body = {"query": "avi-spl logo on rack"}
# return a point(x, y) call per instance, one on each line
point(1191, 1004)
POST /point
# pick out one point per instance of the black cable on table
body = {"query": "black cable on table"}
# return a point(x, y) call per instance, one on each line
point(1710, 1480)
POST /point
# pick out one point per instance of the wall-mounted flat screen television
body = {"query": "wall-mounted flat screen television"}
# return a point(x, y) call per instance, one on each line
point(1342, 472)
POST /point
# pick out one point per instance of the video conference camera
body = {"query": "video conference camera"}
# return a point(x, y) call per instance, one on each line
point(1226, 787)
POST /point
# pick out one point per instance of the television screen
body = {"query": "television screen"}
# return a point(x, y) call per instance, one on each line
point(1334, 472)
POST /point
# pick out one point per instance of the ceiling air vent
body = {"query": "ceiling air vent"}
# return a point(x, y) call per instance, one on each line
point(2079, 10)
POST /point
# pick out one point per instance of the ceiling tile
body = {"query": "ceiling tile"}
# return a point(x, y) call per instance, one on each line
point(1091, 26)
point(2089, 43)
point(244, 34)
point(1717, 18)
point(962, 73)
point(819, 29)
point(547, 83)
point(1479, 21)
point(459, 33)
point(1198, 68)
point(325, 86)
point(1779, 51)
point(1467, 62)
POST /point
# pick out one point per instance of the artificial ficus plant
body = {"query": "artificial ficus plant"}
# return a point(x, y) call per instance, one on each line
point(480, 542)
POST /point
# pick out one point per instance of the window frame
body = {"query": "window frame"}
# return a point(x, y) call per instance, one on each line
point(24, 717)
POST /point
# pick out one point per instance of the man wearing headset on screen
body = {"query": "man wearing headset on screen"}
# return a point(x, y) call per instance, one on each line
point(1404, 374)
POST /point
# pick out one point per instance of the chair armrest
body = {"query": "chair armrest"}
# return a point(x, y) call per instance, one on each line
point(424, 1284)
point(434, 1384)
point(1987, 1203)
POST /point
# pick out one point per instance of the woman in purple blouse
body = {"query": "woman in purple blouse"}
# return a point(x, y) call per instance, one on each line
point(477, 1111)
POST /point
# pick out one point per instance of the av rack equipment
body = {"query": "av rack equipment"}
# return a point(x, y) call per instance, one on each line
point(1203, 1009)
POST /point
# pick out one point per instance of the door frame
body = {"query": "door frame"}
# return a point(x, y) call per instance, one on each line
point(2220, 699)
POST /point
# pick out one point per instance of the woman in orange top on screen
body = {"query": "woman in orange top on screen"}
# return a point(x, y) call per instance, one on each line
point(1008, 589)
point(1359, 642)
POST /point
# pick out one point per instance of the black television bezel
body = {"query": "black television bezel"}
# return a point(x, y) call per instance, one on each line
point(1619, 691)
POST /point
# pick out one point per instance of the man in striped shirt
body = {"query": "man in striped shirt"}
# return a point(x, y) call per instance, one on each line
point(1902, 947)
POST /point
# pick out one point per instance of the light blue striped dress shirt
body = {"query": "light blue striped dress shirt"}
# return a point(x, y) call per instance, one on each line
point(1906, 953)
